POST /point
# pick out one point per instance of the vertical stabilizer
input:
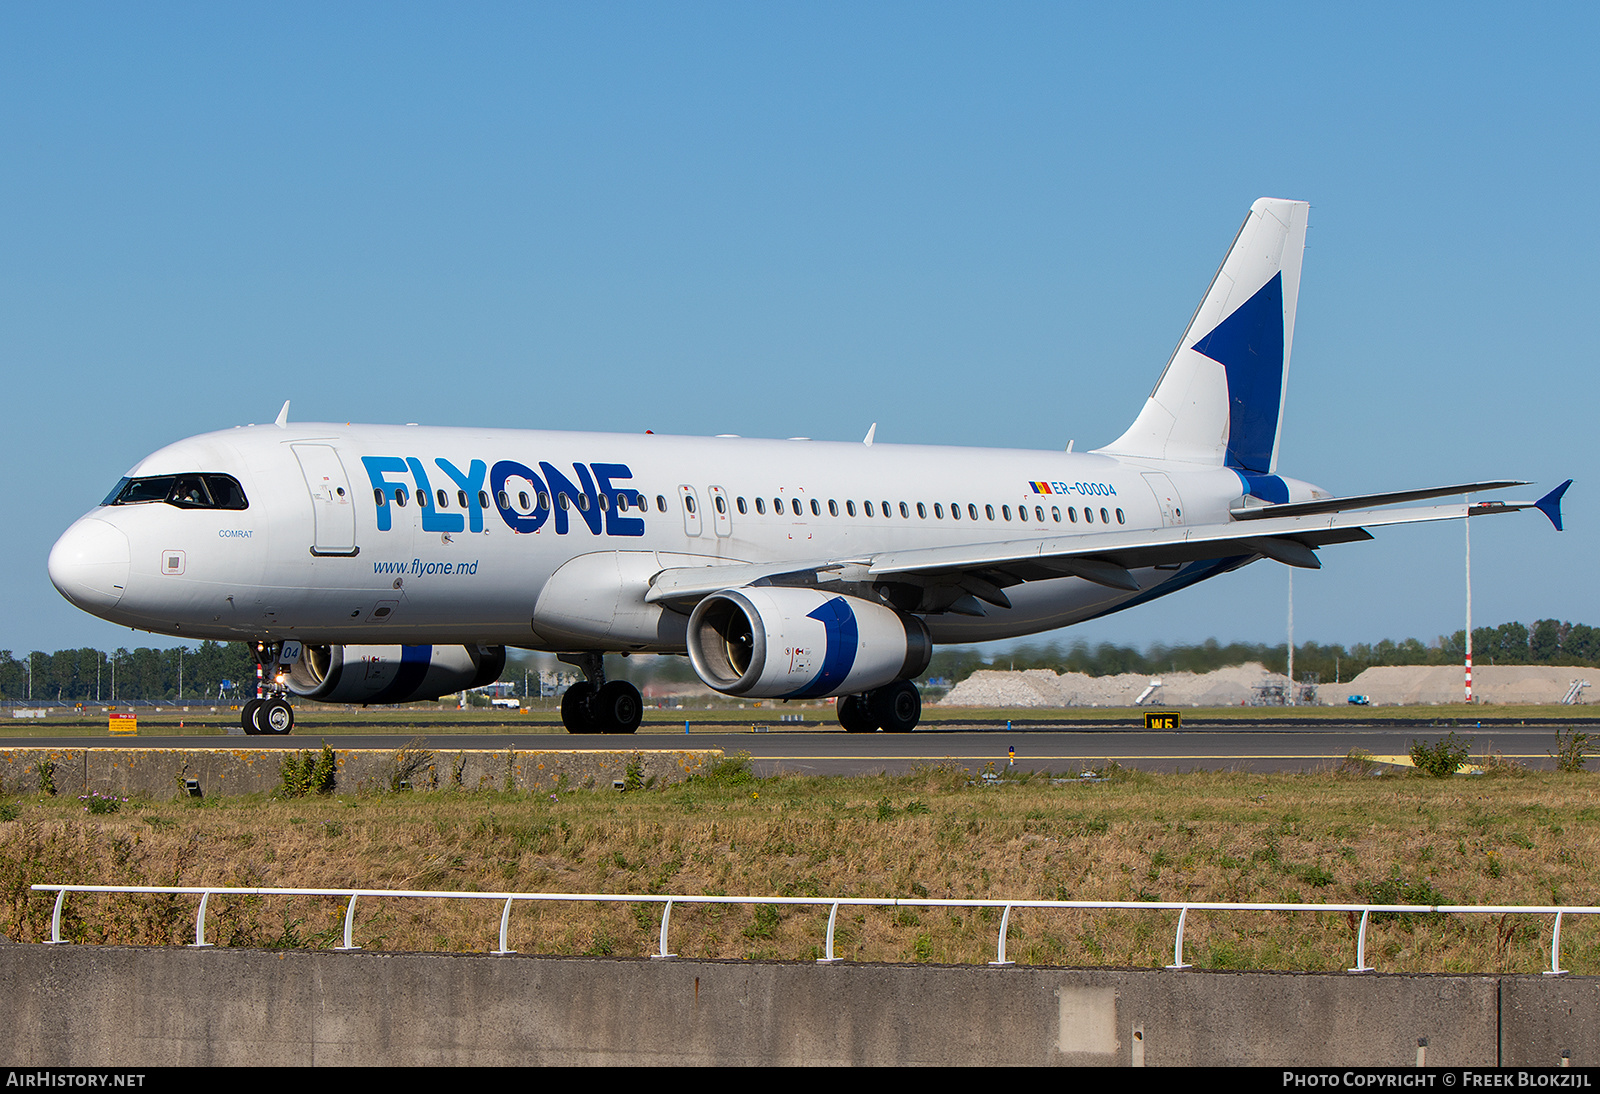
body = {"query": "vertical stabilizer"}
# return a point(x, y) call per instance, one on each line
point(1220, 400)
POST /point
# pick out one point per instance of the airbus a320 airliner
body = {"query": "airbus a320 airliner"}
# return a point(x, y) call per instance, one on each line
point(384, 564)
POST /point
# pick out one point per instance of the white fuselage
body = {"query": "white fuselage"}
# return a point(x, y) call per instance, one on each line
point(315, 557)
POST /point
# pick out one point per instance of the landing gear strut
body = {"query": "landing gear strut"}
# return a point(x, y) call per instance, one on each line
point(269, 712)
point(596, 705)
point(894, 708)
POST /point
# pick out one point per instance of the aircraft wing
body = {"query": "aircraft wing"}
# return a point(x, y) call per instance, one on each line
point(1365, 501)
point(981, 571)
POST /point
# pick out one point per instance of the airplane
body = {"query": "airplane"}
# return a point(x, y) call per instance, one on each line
point(379, 564)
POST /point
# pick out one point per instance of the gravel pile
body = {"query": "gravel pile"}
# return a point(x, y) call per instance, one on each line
point(1043, 688)
point(1399, 685)
point(1421, 684)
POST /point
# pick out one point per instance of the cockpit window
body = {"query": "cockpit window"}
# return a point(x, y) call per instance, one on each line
point(190, 491)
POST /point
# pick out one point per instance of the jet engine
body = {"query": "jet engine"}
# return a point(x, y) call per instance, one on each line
point(392, 674)
point(772, 642)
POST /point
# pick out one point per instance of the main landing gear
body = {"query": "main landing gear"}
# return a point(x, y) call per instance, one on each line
point(272, 714)
point(596, 705)
point(894, 708)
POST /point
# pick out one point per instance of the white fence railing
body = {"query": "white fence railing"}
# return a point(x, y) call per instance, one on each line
point(834, 904)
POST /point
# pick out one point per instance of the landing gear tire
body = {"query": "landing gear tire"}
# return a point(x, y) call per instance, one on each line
point(577, 708)
point(247, 716)
point(897, 707)
point(618, 707)
point(855, 714)
point(276, 717)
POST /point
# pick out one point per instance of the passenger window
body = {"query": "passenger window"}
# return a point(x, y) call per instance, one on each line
point(938, 511)
point(400, 496)
point(544, 500)
point(816, 508)
point(867, 505)
point(833, 508)
point(721, 503)
point(1038, 511)
point(794, 505)
point(523, 502)
point(743, 508)
point(1088, 515)
point(1055, 513)
point(1005, 511)
point(777, 506)
point(761, 506)
point(887, 511)
point(1022, 512)
point(988, 511)
point(483, 499)
point(661, 503)
point(504, 499)
point(1105, 518)
point(583, 502)
point(622, 503)
point(604, 501)
point(955, 510)
point(422, 499)
point(688, 502)
point(850, 508)
point(1120, 518)
point(1072, 513)
point(377, 496)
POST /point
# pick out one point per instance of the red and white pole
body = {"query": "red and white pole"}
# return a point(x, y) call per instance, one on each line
point(1467, 524)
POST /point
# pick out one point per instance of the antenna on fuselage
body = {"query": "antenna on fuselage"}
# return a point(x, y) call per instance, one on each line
point(867, 440)
point(282, 420)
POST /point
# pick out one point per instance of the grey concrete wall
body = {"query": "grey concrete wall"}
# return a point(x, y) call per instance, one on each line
point(125, 1006)
point(160, 772)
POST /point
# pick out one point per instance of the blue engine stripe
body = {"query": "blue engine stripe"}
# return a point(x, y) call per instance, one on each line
point(408, 677)
point(843, 636)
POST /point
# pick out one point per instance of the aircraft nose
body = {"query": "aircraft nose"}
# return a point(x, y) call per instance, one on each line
point(89, 564)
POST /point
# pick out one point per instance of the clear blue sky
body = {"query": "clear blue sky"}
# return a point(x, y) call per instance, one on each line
point(973, 224)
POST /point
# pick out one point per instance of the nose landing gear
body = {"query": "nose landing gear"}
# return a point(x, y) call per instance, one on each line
point(270, 712)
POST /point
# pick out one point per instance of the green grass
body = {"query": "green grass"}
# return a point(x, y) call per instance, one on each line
point(940, 832)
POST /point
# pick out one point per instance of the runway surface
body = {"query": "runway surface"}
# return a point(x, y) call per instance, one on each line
point(1037, 748)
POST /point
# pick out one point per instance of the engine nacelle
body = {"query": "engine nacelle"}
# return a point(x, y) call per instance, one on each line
point(392, 674)
point(772, 642)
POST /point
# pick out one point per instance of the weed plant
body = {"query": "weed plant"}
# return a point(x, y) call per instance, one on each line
point(941, 832)
point(303, 773)
point(1441, 758)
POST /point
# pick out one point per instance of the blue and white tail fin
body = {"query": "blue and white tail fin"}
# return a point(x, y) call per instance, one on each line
point(1220, 400)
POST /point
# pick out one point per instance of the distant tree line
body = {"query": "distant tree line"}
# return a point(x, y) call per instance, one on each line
point(91, 675)
point(1548, 642)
